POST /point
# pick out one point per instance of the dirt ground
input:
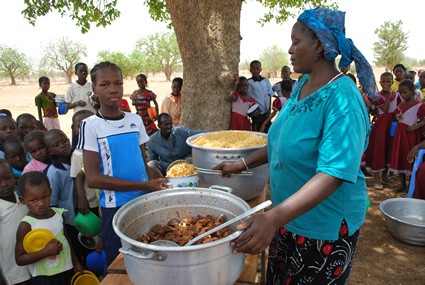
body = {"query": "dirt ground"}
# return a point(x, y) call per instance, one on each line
point(381, 259)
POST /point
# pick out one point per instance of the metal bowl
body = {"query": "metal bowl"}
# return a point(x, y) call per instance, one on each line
point(405, 219)
point(245, 187)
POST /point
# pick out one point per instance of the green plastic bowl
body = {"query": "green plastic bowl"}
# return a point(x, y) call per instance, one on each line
point(88, 224)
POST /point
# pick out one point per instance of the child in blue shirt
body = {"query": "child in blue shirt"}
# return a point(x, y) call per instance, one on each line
point(113, 152)
point(261, 90)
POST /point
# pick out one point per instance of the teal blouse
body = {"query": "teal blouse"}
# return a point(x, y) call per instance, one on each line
point(325, 132)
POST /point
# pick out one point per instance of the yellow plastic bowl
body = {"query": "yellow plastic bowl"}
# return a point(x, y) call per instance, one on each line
point(37, 239)
point(87, 278)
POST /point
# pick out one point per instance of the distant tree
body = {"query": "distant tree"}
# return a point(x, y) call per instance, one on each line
point(143, 63)
point(13, 63)
point(162, 51)
point(128, 67)
point(388, 50)
point(62, 54)
point(244, 65)
point(273, 58)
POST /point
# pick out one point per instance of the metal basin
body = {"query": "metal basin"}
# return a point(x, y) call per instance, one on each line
point(211, 264)
point(405, 219)
point(245, 187)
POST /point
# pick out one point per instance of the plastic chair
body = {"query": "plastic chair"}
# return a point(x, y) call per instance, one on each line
point(418, 162)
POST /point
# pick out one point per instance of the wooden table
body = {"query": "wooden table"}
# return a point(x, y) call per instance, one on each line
point(117, 273)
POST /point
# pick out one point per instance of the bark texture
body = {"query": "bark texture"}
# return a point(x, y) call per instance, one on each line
point(208, 34)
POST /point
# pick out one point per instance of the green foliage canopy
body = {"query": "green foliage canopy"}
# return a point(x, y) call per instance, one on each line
point(392, 42)
point(127, 65)
point(273, 58)
point(161, 52)
point(84, 12)
point(13, 63)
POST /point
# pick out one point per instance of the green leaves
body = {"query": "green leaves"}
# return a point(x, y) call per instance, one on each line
point(13, 63)
point(282, 10)
point(392, 42)
point(273, 58)
point(84, 12)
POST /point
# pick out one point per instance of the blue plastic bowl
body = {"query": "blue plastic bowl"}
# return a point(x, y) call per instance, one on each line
point(96, 262)
point(62, 109)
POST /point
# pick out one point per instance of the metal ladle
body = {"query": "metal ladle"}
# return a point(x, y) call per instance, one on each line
point(262, 206)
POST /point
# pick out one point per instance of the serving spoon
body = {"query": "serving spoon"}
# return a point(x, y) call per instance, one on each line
point(262, 206)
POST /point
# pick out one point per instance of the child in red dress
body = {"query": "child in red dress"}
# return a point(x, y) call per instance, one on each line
point(240, 104)
point(377, 152)
point(408, 113)
point(142, 99)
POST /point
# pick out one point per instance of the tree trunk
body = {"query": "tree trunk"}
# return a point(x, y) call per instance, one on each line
point(68, 77)
point(210, 51)
point(12, 80)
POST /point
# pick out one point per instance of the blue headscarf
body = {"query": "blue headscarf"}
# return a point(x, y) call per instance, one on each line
point(329, 26)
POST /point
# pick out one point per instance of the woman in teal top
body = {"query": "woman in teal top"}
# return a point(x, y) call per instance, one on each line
point(314, 152)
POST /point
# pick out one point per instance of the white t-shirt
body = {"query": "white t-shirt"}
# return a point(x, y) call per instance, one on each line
point(76, 167)
point(11, 215)
point(77, 92)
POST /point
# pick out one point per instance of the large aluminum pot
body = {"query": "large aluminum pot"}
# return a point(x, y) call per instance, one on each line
point(244, 186)
point(212, 263)
point(405, 219)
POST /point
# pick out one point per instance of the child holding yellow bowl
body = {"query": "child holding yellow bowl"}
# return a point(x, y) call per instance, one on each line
point(51, 261)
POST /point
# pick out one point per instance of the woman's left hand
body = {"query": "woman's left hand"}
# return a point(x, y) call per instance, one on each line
point(257, 235)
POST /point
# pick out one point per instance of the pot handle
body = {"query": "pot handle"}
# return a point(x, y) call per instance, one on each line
point(153, 255)
point(222, 188)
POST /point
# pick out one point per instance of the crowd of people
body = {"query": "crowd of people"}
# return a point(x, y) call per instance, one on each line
point(316, 146)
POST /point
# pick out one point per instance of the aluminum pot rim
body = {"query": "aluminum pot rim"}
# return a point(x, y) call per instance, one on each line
point(167, 192)
point(191, 138)
point(392, 200)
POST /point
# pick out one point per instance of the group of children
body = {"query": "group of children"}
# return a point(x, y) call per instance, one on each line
point(256, 93)
point(399, 105)
point(44, 183)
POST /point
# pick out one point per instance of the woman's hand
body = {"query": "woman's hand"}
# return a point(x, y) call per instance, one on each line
point(257, 235)
point(227, 168)
point(81, 103)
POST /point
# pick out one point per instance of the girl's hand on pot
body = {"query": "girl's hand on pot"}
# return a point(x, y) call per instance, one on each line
point(257, 235)
point(157, 184)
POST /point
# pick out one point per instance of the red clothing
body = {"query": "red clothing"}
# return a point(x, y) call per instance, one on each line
point(403, 140)
point(278, 103)
point(143, 103)
point(124, 106)
point(420, 183)
point(239, 119)
point(240, 122)
point(378, 150)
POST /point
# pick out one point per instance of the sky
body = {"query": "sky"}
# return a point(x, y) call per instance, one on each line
point(362, 18)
